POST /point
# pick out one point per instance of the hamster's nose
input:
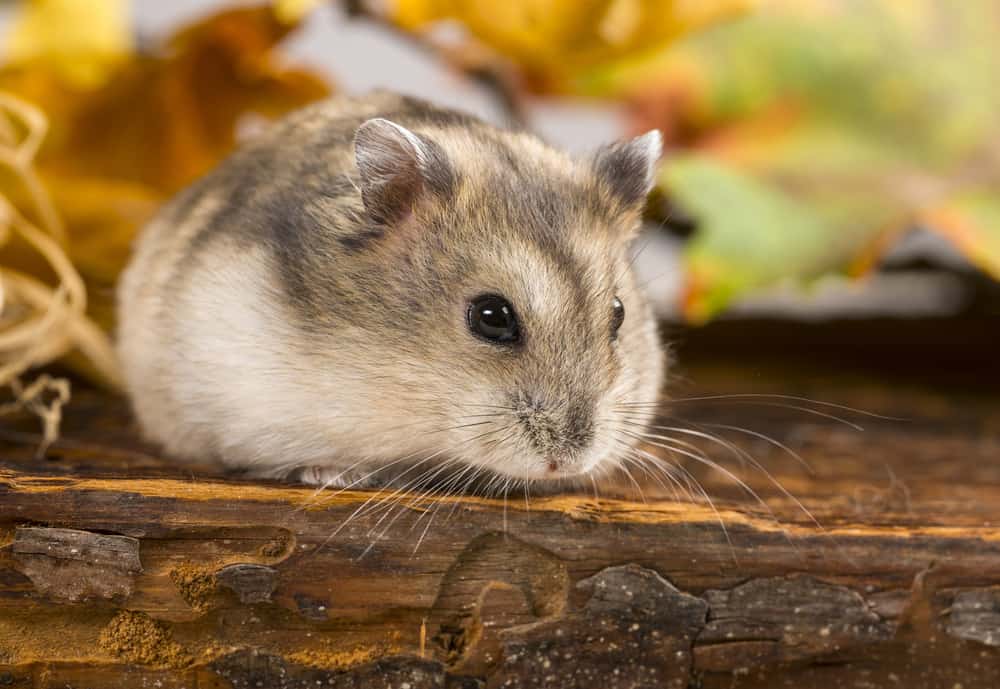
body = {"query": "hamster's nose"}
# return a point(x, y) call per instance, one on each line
point(558, 431)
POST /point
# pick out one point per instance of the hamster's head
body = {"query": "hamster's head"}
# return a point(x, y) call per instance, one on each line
point(493, 295)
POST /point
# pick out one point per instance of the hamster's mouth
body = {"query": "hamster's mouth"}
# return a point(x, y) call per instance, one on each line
point(555, 469)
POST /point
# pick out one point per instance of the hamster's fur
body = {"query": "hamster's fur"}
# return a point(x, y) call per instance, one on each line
point(304, 307)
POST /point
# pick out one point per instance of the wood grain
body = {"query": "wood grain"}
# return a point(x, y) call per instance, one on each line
point(880, 567)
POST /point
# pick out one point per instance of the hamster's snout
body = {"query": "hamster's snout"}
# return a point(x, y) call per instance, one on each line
point(560, 431)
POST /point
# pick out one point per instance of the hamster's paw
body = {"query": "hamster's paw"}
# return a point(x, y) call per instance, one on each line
point(321, 476)
point(329, 477)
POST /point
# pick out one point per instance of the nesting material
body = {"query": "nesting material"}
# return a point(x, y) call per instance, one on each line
point(39, 322)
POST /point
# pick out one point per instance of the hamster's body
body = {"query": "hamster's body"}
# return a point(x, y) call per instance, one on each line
point(307, 305)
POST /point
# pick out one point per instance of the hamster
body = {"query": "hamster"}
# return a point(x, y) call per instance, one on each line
point(376, 282)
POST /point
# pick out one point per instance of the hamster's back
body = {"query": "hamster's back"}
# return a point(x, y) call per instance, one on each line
point(203, 274)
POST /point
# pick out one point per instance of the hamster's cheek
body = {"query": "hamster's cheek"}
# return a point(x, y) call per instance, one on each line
point(629, 405)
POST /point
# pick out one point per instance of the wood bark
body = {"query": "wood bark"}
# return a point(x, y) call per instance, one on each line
point(881, 568)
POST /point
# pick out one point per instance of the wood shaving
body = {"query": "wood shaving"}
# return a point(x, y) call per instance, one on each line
point(40, 323)
point(47, 407)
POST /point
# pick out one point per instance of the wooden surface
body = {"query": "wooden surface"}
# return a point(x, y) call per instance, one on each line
point(880, 567)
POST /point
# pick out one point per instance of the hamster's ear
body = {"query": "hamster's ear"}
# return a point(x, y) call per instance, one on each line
point(628, 168)
point(396, 167)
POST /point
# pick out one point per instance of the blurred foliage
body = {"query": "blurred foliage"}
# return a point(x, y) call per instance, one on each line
point(830, 130)
point(804, 136)
point(557, 43)
point(123, 138)
point(291, 11)
point(81, 41)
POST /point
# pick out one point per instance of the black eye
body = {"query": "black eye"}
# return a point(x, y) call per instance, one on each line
point(617, 316)
point(492, 318)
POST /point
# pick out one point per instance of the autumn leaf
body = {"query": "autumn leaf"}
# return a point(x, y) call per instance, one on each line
point(115, 150)
point(554, 43)
point(82, 41)
point(971, 221)
point(294, 11)
point(166, 118)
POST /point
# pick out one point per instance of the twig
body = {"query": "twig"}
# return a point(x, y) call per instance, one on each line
point(500, 78)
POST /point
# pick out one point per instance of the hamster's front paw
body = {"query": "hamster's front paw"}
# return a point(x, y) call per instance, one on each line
point(330, 477)
point(321, 476)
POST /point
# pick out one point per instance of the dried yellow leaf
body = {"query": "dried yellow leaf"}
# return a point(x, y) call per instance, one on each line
point(291, 11)
point(77, 182)
point(555, 42)
point(81, 40)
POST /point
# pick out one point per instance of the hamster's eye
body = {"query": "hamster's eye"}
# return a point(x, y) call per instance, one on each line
point(617, 316)
point(492, 318)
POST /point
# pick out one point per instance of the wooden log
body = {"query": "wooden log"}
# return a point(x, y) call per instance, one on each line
point(119, 570)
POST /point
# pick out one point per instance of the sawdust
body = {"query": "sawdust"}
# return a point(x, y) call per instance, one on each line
point(339, 660)
point(279, 547)
point(213, 650)
point(137, 638)
point(196, 585)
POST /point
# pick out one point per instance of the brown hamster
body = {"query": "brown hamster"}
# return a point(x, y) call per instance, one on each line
point(377, 282)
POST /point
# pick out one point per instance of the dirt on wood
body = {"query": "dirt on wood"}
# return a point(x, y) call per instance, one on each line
point(135, 637)
point(195, 583)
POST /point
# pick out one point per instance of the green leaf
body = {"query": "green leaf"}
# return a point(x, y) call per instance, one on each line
point(815, 134)
point(753, 234)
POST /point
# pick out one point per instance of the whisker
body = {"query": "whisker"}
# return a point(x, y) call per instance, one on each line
point(773, 441)
point(661, 440)
point(767, 395)
point(527, 506)
point(737, 451)
point(384, 466)
point(427, 476)
point(757, 465)
point(437, 506)
point(477, 470)
point(445, 489)
point(635, 483)
point(417, 485)
point(360, 510)
point(593, 482)
point(671, 485)
point(708, 499)
point(805, 410)
point(744, 486)
point(506, 487)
